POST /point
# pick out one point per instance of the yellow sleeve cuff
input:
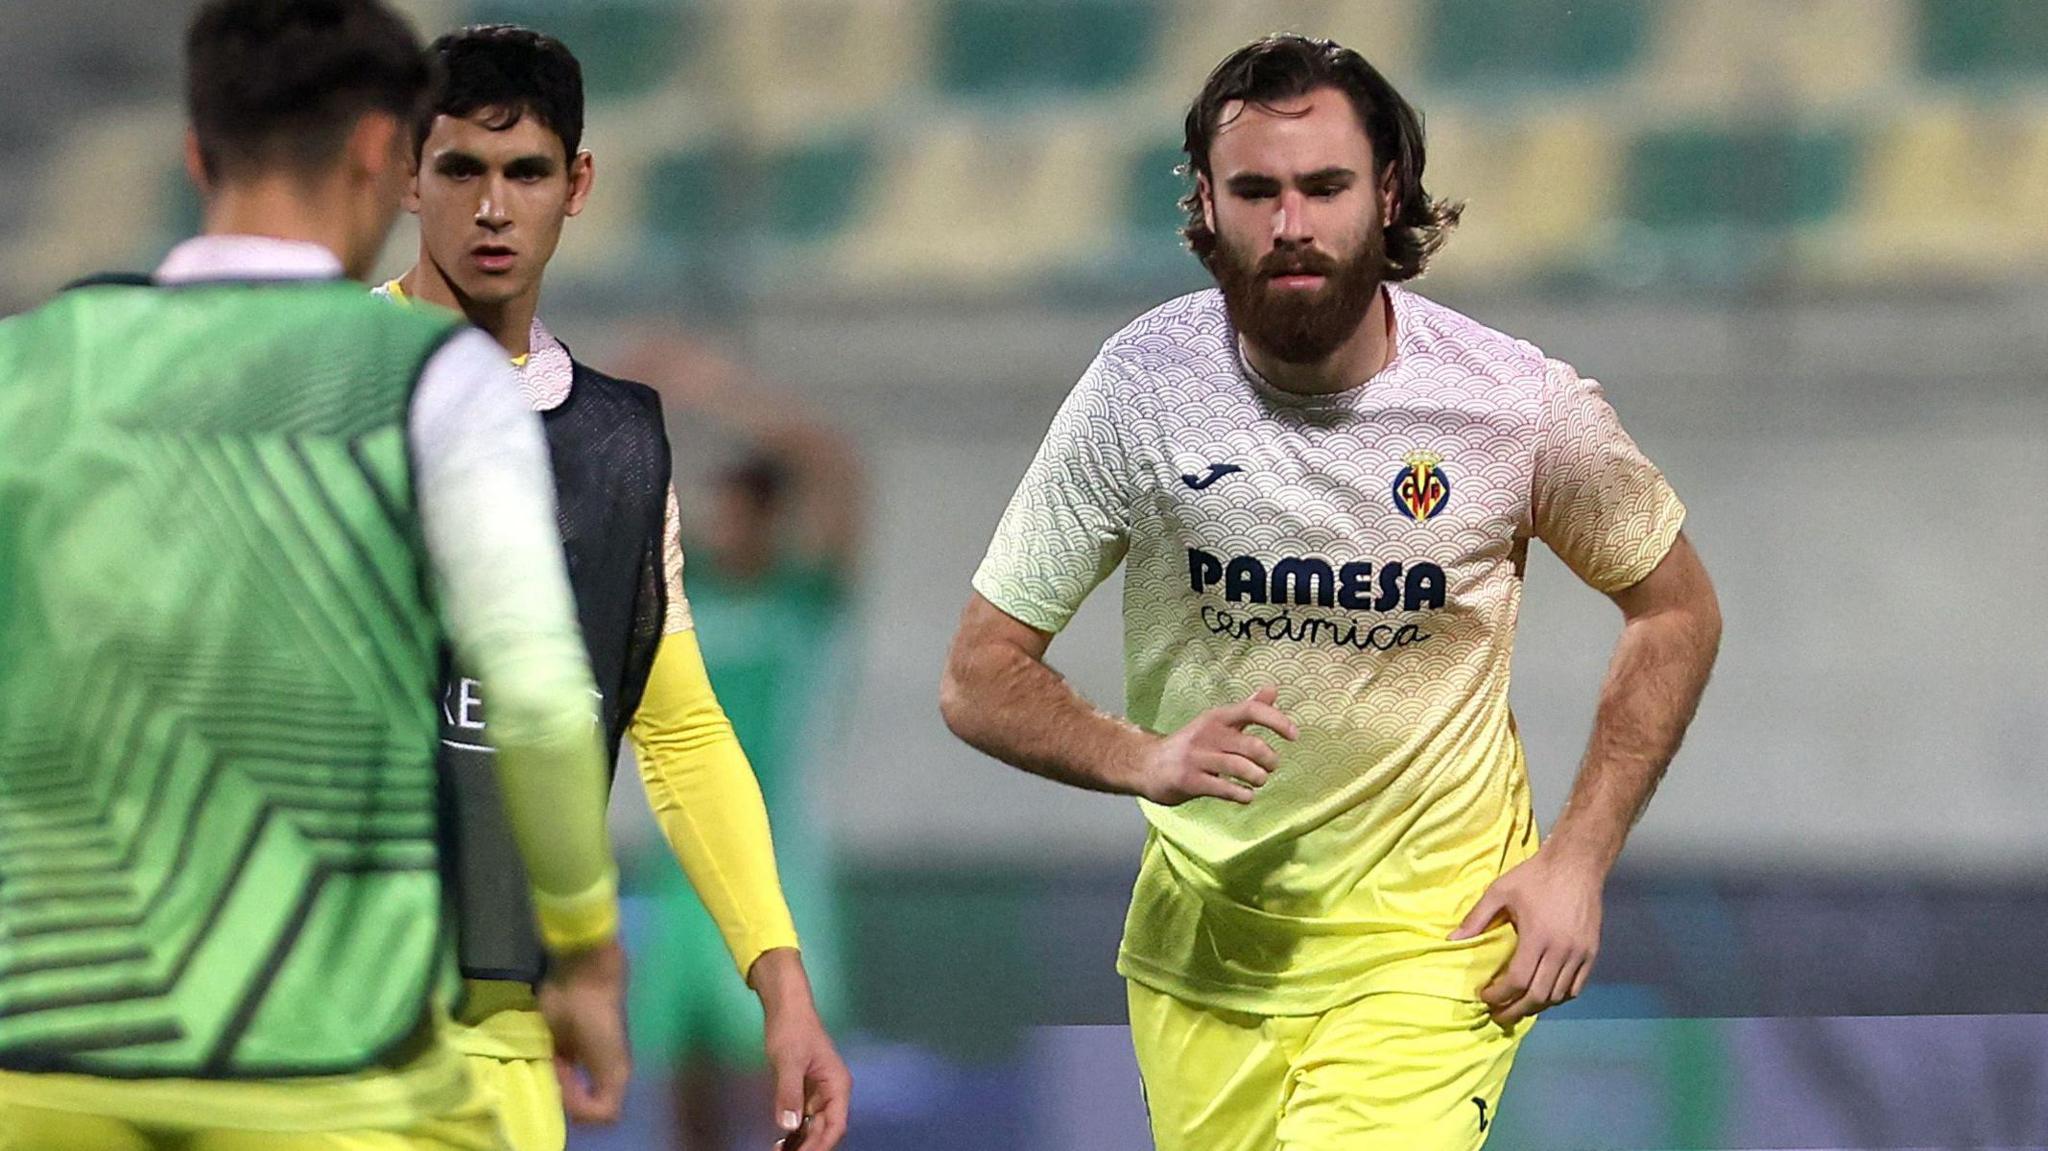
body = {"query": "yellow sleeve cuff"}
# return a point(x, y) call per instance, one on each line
point(581, 921)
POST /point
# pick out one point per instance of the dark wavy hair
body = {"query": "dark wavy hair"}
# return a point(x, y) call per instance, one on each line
point(512, 73)
point(279, 84)
point(1286, 67)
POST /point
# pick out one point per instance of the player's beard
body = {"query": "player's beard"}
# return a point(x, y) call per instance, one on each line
point(1293, 326)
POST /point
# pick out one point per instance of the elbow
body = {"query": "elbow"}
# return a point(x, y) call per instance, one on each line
point(958, 699)
point(953, 705)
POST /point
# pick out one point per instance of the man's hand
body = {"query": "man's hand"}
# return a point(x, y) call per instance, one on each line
point(1554, 903)
point(583, 1000)
point(1215, 755)
point(812, 1086)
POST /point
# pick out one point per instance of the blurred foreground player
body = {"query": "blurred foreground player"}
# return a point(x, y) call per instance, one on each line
point(499, 169)
point(225, 495)
point(1323, 489)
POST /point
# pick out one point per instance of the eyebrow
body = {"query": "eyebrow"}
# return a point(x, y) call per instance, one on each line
point(533, 164)
point(1260, 182)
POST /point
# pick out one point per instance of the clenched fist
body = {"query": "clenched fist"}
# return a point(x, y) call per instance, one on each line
point(1216, 753)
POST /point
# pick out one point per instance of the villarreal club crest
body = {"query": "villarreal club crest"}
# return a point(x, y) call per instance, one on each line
point(1421, 490)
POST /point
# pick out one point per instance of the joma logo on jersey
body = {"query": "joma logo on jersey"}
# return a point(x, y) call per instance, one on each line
point(1422, 489)
point(1309, 581)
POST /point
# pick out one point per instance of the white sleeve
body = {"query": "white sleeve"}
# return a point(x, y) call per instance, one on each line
point(487, 509)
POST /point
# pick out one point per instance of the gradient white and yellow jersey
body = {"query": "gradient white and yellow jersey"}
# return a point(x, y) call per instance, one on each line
point(1362, 552)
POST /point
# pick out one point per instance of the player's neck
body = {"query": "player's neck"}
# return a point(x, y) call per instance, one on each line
point(509, 322)
point(282, 209)
point(1357, 360)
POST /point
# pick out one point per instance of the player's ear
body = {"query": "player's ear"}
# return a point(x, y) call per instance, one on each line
point(374, 145)
point(1390, 198)
point(582, 177)
point(1206, 192)
point(414, 157)
point(195, 164)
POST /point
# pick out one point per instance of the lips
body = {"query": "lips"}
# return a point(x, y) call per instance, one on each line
point(493, 257)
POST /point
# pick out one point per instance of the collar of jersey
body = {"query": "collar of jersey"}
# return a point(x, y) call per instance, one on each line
point(546, 373)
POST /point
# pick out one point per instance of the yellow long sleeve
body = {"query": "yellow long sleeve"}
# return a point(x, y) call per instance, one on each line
point(708, 803)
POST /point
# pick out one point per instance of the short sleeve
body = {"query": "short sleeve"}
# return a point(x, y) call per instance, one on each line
point(1068, 525)
point(1599, 503)
point(676, 605)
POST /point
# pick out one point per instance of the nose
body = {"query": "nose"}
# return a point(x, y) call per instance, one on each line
point(490, 208)
point(1290, 220)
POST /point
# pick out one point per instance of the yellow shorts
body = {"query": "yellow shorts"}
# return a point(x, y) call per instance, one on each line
point(527, 1099)
point(1390, 1072)
point(28, 1127)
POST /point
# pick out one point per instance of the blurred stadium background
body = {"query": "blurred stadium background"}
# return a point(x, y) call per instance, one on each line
point(1805, 243)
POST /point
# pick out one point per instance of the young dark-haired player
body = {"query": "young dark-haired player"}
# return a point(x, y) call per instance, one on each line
point(1323, 488)
point(500, 168)
point(226, 493)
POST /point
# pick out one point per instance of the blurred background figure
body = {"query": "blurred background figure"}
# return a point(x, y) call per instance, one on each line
point(1802, 243)
point(772, 533)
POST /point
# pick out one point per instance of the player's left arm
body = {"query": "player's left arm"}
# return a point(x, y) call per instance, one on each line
point(1609, 515)
point(709, 805)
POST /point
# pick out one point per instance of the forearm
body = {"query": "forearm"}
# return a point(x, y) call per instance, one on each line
point(486, 506)
point(1653, 687)
point(709, 804)
point(1008, 704)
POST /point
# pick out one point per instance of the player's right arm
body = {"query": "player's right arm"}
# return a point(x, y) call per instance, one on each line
point(1000, 697)
point(1067, 528)
point(487, 512)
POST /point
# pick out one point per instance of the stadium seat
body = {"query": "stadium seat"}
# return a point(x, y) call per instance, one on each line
point(1951, 191)
point(798, 67)
point(1515, 42)
point(685, 199)
point(792, 194)
point(981, 200)
point(1733, 54)
point(813, 190)
point(1772, 176)
point(627, 47)
point(1984, 39)
point(1537, 192)
point(1194, 35)
point(1011, 48)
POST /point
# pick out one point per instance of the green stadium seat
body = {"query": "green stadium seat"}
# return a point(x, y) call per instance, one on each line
point(805, 193)
point(814, 189)
point(1014, 47)
point(1516, 42)
point(626, 47)
point(1770, 177)
point(1983, 39)
point(685, 201)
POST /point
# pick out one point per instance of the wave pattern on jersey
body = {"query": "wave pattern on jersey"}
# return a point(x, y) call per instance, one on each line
point(1272, 565)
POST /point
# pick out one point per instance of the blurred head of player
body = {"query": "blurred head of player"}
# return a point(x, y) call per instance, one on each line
point(301, 112)
point(743, 531)
point(499, 162)
point(1308, 192)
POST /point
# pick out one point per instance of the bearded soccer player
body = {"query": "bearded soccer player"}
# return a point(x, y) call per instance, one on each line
point(1323, 488)
point(227, 491)
point(499, 170)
